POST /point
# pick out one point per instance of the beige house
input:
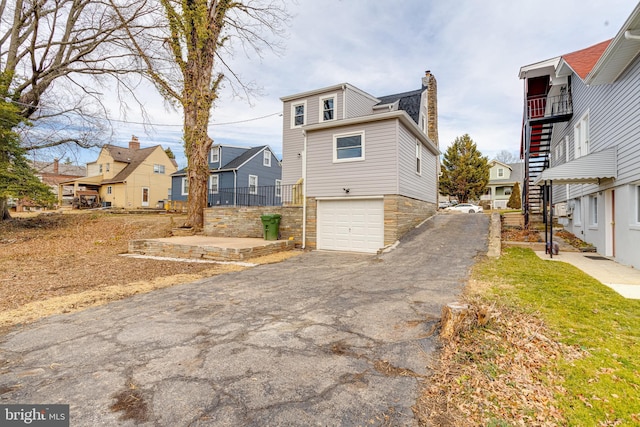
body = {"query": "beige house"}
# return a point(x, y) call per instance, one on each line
point(130, 178)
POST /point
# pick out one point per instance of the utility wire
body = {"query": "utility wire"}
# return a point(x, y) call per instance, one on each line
point(158, 124)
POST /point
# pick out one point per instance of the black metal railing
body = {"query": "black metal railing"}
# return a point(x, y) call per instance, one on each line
point(546, 107)
point(266, 195)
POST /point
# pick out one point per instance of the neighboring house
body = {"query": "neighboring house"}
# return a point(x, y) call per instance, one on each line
point(502, 178)
point(369, 165)
point(129, 178)
point(54, 173)
point(238, 176)
point(583, 129)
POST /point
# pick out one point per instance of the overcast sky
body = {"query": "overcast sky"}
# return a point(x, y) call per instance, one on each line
point(473, 48)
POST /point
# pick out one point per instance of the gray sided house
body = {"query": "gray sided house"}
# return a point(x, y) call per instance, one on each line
point(369, 165)
point(238, 176)
point(583, 122)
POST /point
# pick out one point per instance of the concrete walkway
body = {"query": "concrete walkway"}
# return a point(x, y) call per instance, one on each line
point(323, 339)
point(621, 278)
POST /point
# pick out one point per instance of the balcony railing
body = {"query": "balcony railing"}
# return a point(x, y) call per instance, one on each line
point(548, 108)
point(269, 195)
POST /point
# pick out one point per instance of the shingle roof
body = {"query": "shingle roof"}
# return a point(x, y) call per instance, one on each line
point(408, 101)
point(63, 169)
point(238, 161)
point(583, 61)
point(125, 155)
point(233, 164)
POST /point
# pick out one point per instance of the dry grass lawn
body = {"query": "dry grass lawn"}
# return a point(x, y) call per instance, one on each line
point(59, 263)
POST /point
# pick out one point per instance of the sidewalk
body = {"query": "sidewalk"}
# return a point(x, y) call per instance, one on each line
point(621, 278)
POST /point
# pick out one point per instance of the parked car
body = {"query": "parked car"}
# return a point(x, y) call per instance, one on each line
point(465, 207)
point(443, 205)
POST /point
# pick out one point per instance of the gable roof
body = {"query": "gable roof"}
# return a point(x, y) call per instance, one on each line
point(517, 174)
point(125, 155)
point(244, 157)
point(236, 162)
point(407, 101)
point(582, 61)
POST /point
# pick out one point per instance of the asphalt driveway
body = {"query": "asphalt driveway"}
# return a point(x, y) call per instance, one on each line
point(321, 339)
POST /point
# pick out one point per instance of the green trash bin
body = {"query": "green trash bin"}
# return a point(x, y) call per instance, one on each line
point(271, 226)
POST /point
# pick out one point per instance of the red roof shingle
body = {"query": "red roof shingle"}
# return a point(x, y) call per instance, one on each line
point(582, 61)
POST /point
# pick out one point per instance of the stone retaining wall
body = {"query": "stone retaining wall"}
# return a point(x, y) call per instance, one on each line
point(246, 222)
point(170, 249)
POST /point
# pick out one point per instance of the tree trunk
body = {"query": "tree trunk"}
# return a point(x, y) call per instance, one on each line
point(4, 209)
point(198, 100)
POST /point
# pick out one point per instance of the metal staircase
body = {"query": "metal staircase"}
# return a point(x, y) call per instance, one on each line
point(542, 112)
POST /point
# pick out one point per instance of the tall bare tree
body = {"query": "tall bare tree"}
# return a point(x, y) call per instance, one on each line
point(54, 57)
point(187, 58)
point(48, 49)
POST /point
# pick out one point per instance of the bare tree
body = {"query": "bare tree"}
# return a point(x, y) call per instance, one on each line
point(186, 57)
point(54, 57)
point(506, 157)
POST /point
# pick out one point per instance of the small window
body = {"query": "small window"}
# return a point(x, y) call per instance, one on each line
point(108, 167)
point(158, 169)
point(213, 184)
point(500, 172)
point(109, 189)
point(266, 158)
point(418, 157)
point(593, 210)
point(278, 188)
point(185, 186)
point(100, 168)
point(328, 108)
point(581, 136)
point(297, 114)
point(215, 155)
point(348, 147)
point(253, 184)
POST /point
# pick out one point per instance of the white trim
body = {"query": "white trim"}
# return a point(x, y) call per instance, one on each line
point(184, 186)
point(581, 138)
point(215, 178)
point(142, 202)
point(293, 113)
point(278, 188)
point(255, 191)
point(418, 157)
point(215, 150)
point(334, 97)
point(634, 211)
point(266, 158)
point(593, 211)
point(361, 134)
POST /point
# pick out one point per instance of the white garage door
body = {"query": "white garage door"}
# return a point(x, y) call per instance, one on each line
point(351, 225)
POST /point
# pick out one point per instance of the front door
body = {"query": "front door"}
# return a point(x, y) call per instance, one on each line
point(145, 196)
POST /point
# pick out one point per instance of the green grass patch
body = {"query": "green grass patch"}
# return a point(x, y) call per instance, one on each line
point(603, 387)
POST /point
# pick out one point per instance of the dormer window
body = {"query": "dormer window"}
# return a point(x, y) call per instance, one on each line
point(215, 154)
point(266, 158)
point(328, 108)
point(297, 114)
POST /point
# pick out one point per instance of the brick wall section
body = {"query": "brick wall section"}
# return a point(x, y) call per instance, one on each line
point(246, 222)
point(402, 214)
point(432, 107)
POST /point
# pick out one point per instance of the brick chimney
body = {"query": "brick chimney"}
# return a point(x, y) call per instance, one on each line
point(134, 144)
point(429, 82)
point(56, 166)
